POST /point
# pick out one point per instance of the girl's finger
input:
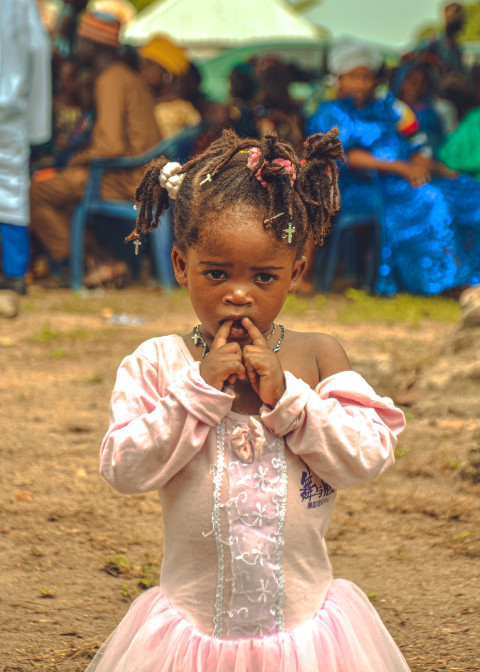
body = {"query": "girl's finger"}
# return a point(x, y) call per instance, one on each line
point(254, 333)
point(222, 335)
point(250, 368)
point(236, 368)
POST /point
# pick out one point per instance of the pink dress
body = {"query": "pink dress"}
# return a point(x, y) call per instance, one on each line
point(246, 584)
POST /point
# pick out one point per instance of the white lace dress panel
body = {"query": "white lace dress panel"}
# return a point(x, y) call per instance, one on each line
point(254, 516)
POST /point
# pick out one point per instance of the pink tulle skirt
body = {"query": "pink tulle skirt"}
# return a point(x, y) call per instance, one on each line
point(345, 635)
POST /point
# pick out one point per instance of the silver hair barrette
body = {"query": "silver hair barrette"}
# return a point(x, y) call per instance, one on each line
point(274, 217)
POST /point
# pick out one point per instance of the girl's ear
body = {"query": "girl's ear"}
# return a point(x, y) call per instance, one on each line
point(179, 260)
point(297, 271)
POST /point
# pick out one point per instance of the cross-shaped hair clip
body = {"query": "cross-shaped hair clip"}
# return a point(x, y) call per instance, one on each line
point(207, 179)
point(287, 233)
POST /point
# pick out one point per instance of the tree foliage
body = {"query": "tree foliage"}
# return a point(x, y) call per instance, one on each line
point(471, 29)
point(141, 4)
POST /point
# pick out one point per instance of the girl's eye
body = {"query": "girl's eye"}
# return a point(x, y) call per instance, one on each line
point(265, 278)
point(215, 275)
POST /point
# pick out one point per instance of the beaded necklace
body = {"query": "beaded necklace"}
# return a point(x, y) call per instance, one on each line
point(198, 339)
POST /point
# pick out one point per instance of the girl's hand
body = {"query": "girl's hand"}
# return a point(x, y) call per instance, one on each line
point(224, 361)
point(263, 367)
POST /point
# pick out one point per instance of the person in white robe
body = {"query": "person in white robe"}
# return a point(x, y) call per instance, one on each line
point(25, 119)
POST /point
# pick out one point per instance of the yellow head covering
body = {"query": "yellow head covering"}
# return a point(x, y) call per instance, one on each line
point(167, 54)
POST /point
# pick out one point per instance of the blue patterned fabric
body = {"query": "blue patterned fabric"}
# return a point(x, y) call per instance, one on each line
point(431, 234)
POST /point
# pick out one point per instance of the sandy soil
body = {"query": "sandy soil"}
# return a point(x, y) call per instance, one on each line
point(74, 553)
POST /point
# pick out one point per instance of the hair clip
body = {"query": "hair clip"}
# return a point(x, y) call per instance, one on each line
point(208, 178)
point(288, 232)
point(274, 217)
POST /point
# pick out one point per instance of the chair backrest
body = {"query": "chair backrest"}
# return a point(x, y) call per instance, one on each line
point(180, 147)
point(177, 148)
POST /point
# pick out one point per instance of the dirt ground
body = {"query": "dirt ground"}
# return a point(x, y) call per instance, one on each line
point(74, 553)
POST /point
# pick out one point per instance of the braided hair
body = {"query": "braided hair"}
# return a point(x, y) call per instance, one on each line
point(305, 194)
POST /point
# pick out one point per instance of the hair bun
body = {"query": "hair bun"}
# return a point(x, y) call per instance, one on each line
point(324, 146)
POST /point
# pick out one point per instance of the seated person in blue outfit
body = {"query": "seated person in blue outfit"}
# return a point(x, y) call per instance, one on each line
point(431, 222)
point(416, 83)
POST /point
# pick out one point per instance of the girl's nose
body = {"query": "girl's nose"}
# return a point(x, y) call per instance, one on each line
point(238, 295)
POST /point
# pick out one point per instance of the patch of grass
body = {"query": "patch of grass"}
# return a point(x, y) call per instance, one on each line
point(28, 306)
point(149, 573)
point(298, 305)
point(129, 592)
point(48, 591)
point(94, 378)
point(78, 334)
point(401, 452)
point(362, 307)
point(47, 334)
point(146, 576)
point(75, 303)
point(118, 564)
point(57, 354)
point(462, 544)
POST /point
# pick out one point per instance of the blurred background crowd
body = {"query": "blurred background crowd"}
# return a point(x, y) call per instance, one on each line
point(82, 80)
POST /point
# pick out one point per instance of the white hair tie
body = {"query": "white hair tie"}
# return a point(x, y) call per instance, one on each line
point(171, 182)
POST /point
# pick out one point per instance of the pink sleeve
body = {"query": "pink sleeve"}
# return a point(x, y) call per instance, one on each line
point(156, 428)
point(343, 430)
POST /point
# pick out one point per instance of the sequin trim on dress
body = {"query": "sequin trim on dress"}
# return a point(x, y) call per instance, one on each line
point(217, 490)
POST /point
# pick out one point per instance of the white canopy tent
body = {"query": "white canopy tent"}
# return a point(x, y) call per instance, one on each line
point(220, 24)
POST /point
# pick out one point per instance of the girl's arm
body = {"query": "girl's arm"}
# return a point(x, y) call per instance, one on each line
point(156, 427)
point(343, 430)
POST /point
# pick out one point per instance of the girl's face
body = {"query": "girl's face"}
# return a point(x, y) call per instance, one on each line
point(237, 270)
point(358, 84)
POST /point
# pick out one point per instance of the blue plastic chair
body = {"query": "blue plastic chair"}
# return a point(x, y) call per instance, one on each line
point(342, 242)
point(178, 148)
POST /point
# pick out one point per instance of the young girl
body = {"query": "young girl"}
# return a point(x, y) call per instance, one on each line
point(247, 430)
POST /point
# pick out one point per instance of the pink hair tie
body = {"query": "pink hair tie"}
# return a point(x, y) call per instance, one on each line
point(287, 165)
point(254, 159)
point(252, 164)
point(259, 177)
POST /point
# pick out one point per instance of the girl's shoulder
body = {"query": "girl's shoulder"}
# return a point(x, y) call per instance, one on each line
point(314, 356)
point(164, 352)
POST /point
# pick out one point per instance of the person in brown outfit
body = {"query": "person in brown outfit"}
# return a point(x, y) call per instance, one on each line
point(124, 126)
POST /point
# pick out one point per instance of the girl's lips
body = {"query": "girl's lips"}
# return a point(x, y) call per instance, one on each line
point(237, 330)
